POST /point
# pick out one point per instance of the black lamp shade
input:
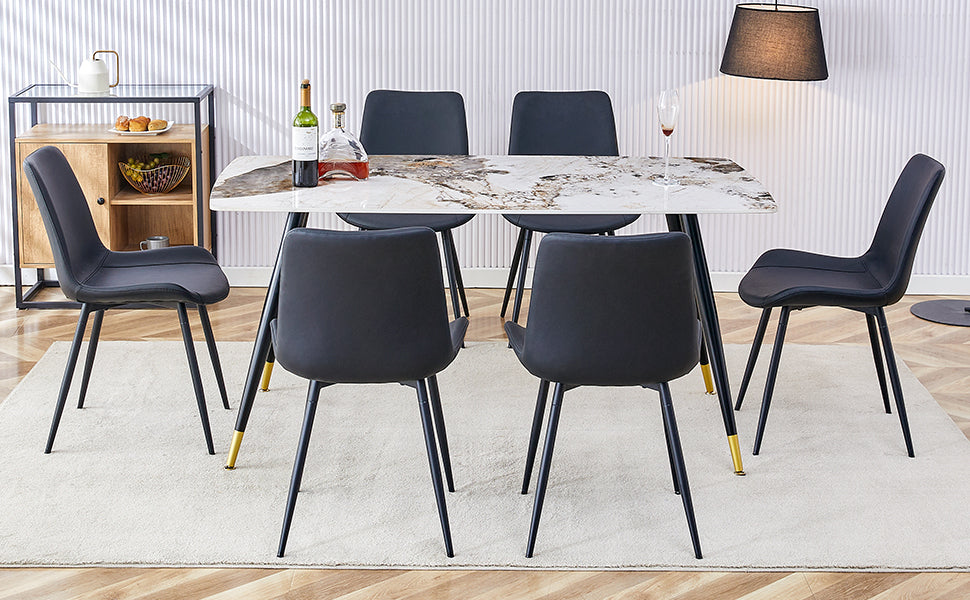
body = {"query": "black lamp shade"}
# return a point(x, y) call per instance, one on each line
point(772, 41)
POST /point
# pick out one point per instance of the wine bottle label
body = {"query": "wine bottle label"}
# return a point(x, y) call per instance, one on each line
point(305, 143)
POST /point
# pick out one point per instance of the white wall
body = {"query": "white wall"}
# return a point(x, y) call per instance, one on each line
point(829, 151)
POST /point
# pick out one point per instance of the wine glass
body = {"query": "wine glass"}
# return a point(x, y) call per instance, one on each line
point(668, 107)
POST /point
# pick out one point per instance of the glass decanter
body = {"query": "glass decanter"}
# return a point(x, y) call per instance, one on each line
point(341, 154)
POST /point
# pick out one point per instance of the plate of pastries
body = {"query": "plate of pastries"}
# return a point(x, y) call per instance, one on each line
point(140, 126)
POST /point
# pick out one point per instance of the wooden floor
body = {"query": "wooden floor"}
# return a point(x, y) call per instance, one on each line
point(937, 354)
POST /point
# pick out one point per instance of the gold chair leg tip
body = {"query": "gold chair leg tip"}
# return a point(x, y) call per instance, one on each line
point(234, 450)
point(708, 379)
point(736, 454)
point(267, 374)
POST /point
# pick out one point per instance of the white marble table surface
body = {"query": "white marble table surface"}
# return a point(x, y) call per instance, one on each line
point(498, 184)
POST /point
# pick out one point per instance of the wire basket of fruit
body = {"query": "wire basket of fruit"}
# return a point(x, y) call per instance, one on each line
point(156, 173)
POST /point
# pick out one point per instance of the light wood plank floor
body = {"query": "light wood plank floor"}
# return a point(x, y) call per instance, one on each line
point(937, 354)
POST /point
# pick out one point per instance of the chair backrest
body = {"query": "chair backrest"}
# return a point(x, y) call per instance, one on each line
point(362, 306)
point(563, 123)
point(78, 250)
point(400, 122)
point(612, 310)
point(893, 250)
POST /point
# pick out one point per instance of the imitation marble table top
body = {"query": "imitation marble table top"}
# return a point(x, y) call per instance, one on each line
point(499, 184)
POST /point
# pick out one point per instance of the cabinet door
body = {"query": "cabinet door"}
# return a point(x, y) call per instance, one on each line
point(90, 164)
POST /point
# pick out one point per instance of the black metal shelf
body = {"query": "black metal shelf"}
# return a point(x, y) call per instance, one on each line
point(37, 94)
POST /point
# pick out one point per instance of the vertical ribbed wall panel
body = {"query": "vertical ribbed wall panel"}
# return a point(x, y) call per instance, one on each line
point(829, 151)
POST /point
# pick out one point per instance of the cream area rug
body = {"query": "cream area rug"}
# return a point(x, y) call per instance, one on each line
point(129, 481)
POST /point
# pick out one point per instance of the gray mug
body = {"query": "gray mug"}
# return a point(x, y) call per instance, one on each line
point(154, 241)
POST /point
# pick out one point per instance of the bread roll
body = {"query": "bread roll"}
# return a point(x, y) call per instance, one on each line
point(138, 124)
point(157, 124)
point(122, 123)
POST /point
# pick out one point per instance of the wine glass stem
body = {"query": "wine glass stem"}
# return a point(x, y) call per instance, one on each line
point(667, 159)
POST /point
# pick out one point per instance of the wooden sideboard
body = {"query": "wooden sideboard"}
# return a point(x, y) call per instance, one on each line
point(122, 215)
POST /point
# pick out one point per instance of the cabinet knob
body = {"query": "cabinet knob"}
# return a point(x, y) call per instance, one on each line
point(100, 200)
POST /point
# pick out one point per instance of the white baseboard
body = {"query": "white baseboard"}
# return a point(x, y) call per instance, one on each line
point(6, 275)
point(473, 278)
point(933, 285)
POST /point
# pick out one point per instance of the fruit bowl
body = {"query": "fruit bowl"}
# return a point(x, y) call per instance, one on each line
point(155, 175)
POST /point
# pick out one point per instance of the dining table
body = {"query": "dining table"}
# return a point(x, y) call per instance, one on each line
point(502, 184)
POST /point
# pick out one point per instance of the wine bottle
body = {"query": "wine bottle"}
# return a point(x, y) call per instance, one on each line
point(306, 145)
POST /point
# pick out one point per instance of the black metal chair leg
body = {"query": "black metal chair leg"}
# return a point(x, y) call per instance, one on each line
point(759, 337)
point(439, 424)
point(89, 359)
point(772, 373)
point(82, 322)
point(452, 279)
point(194, 371)
point(877, 359)
point(513, 270)
point(210, 341)
point(523, 269)
point(439, 490)
point(670, 456)
point(530, 457)
point(894, 379)
point(677, 463)
point(458, 281)
point(544, 467)
point(313, 393)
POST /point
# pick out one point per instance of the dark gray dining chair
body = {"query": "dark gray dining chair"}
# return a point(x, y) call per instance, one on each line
point(416, 123)
point(101, 279)
point(563, 124)
point(793, 280)
point(366, 307)
point(609, 311)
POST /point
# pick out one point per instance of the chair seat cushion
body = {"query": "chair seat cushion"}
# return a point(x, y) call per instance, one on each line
point(379, 221)
point(457, 329)
point(571, 223)
point(800, 279)
point(176, 274)
point(516, 335)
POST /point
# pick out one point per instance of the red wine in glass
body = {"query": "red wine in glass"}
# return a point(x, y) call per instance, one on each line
point(668, 107)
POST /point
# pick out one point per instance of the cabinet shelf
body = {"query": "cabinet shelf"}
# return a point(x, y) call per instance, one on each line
point(102, 133)
point(181, 195)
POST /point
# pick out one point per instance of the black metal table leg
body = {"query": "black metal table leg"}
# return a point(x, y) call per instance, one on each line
point(261, 347)
point(712, 329)
point(513, 270)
